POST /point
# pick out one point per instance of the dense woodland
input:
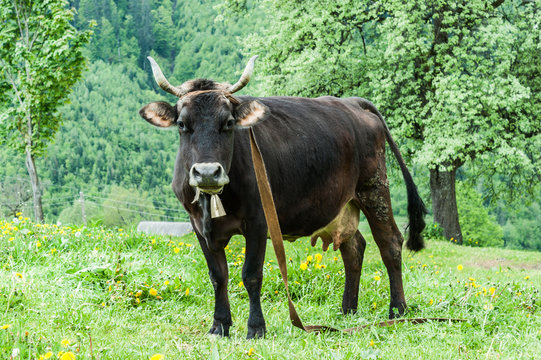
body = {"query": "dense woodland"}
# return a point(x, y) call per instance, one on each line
point(124, 166)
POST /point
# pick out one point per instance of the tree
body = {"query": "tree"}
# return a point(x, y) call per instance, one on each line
point(451, 76)
point(40, 60)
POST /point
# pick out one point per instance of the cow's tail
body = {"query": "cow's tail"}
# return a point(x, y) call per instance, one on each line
point(416, 206)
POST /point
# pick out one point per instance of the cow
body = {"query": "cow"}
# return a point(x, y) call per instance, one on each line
point(325, 159)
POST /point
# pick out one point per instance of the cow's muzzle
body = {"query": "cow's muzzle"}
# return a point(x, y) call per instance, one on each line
point(210, 178)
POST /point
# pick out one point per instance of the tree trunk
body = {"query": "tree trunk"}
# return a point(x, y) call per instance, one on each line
point(442, 190)
point(31, 167)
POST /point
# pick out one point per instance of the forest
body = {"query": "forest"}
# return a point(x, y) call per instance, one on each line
point(458, 82)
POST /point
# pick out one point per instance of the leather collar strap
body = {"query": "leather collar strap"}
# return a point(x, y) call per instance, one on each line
point(278, 245)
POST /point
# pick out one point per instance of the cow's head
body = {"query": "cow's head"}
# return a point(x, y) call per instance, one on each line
point(206, 116)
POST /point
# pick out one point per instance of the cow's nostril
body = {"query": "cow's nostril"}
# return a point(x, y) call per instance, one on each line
point(217, 173)
point(195, 172)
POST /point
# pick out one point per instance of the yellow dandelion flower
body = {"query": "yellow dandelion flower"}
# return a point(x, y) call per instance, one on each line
point(371, 343)
point(120, 230)
point(38, 244)
point(309, 258)
point(189, 245)
point(67, 356)
point(11, 239)
point(377, 278)
point(251, 352)
point(304, 266)
point(241, 284)
point(137, 301)
point(153, 292)
point(156, 357)
point(243, 250)
point(18, 214)
point(19, 275)
point(374, 305)
point(53, 250)
point(492, 290)
point(460, 267)
point(176, 250)
point(318, 257)
point(431, 302)
point(526, 277)
point(5, 327)
point(65, 342)
point(166, 282)
point(153, 241)
point(187, 291)
point(48, 355)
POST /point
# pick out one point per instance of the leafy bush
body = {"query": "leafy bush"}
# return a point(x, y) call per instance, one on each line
point(478, 227)
point(522, 229)
point(433, 231)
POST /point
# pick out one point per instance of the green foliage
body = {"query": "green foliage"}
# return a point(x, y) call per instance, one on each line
point(523, 226)
point(40, 60)
point(478, 227)
point(433, 231)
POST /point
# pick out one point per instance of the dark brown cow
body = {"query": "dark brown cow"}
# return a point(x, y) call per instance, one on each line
point(326, 162)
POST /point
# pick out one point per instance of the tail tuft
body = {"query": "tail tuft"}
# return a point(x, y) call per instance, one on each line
point(416, 214)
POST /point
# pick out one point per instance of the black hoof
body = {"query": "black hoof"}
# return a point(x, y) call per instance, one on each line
point(396, 312)
point(256, 332)
point(349, 311)
point(219, 329)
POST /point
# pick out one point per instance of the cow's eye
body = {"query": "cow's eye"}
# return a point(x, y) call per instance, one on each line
point(181, 125)
point(229, 124)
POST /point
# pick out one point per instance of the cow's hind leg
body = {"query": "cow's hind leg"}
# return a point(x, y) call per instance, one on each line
point(376, 205)
point(352, 252)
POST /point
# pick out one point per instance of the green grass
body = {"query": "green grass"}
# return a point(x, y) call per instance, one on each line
point(95, 285)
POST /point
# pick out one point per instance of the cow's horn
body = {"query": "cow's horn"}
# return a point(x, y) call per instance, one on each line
point(245, 76)
point(162, 81)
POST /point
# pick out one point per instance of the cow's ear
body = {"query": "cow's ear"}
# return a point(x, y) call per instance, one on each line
point(250, 112)
point(159, 114)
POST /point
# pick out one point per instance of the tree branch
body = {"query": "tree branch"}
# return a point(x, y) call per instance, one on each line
point(497, 3)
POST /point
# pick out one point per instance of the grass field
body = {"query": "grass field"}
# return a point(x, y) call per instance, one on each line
point(95, 293)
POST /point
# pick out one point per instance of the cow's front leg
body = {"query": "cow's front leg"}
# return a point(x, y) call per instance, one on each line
point(217, 264)
point(252, 277)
